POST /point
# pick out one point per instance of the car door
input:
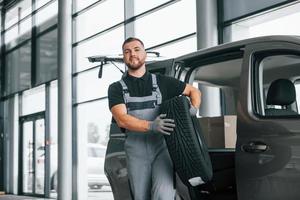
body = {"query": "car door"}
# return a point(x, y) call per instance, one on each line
point(268, 147)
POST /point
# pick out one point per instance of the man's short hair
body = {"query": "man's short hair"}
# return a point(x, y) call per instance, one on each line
point(130, 39)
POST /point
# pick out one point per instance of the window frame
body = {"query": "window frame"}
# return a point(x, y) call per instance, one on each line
point(258, 102)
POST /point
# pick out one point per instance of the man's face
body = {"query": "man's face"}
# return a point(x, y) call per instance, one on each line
point(134, 55)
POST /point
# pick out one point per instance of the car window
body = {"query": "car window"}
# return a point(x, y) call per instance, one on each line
point(297, 85)
point(219, 85)
point(277, 85)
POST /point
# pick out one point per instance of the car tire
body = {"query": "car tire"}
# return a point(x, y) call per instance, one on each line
point(186, 144)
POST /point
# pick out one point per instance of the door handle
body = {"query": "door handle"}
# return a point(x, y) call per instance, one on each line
point(254, 147)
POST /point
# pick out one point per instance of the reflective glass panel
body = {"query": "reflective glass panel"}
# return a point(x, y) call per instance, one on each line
point(40, 156)
point(142, 6)
point(40, 3)
point(17, 12)
point(96, 87)
point(266, 24)
point(167, 24)
point(47, 16)
point(18, 33)
point(27, 153)
point(53, 138)
point(33, 100)
point(93, 131)
point(46, 58)
point(178, 48)
point(79, 4)
point(106, 44)
point(238, 8)
point(99, 18)
point(18, 69)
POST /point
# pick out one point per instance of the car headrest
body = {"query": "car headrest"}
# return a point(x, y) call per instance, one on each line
point(281, 92)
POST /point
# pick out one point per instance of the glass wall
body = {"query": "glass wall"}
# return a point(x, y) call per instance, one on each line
point(99, 28)
point(30, 32)
point(280, 21)
point(29, 56)
point(17, 23)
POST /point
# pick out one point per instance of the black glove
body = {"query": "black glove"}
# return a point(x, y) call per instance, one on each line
point(161, 125)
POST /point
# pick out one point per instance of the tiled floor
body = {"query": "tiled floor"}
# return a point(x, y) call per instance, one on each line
point(14, 197)
point(104, 193)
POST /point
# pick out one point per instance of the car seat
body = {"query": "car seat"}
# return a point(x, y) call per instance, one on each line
point(281, 92)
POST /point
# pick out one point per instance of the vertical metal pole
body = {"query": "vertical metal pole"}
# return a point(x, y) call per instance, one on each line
point(129, 12)
point(207, 36)
point(1, 147)
point(13, 144)
point(65, 99)
point(2, 102)
point(207, 23)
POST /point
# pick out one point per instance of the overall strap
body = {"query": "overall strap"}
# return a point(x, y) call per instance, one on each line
point(155, 89)
point(125, 90)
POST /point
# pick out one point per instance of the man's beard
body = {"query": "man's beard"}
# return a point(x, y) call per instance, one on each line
point(135, 66)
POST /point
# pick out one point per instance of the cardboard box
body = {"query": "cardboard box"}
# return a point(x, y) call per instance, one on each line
point(219, 132)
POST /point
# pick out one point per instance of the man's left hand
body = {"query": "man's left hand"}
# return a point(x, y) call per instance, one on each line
point(193, 110)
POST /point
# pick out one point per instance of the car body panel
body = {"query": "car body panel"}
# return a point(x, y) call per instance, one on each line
point(274, 173)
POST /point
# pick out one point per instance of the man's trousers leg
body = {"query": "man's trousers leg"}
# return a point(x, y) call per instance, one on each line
point(139, 173)
point(162, 177)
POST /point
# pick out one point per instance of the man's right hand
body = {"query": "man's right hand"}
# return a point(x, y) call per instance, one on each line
point(162, 125)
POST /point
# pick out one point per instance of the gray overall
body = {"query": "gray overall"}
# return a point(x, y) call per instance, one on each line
point(149, 165)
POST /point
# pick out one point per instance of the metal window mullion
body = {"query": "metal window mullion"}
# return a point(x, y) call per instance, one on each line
point(33, 47)
point(34, 156)
point(21, 163)
point(2, 74)
point(220, 18)
point(75, 137)
point(47, 143)
point(21, 145)
point(75, 184)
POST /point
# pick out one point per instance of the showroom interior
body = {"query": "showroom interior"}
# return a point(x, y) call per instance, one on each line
point(54, 110)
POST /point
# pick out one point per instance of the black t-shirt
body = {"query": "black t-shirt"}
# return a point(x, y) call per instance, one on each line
point(139, 87)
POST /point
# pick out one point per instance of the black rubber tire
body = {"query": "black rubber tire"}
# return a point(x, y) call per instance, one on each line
point(186, 144)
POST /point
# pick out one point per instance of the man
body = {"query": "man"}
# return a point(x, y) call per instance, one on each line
point(134, 103)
